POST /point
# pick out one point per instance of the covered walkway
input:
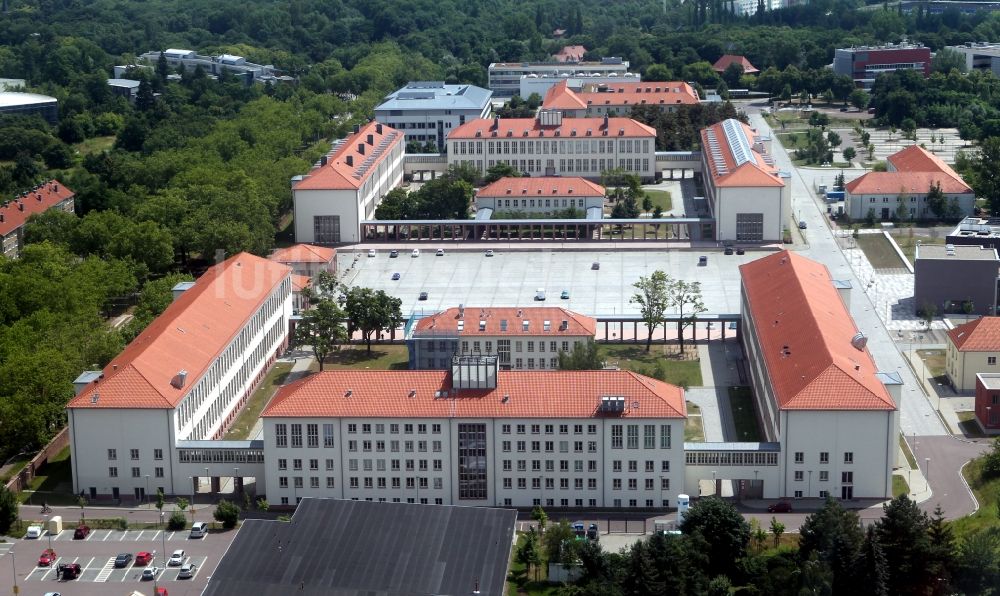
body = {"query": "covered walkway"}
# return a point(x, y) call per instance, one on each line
point(640, 229)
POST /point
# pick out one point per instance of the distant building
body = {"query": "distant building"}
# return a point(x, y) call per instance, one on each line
point(617, 99)
point(12, 84)
point(306, 259)
point(976, 231)
point(428, 111)
point(215, 65)
point(987, 406)
point(979, 55)
point(550, 146)
point(747, 194)
point(973, 348)
point(570, 54)
point(346, 185)
point(521, 338)
point(723, 63)
point(505, 77)
point(541, 195)
point(15, 213)
point(541, 84)
point(13, 103)
point(955, 279)
point(864, 63)
point(910, 174)
point(126, 88)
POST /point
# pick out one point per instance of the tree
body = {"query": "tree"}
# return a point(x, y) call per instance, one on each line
point(176, 521)
point(653, 298)
point(81, 502)
point(859, 98)
point(322, 328)
point(978, 563)
point(397, 204)
point(159, 500)
point(528, 552)
point(936, 201)
point(819, 119)
point(873, 575)
point(263, 505)
point(757, 534)
point(182, 504)
point(226, 513)
point(777, 529)
point(538, 514)
point(685, 296)
point(833, 534)
point(560, 542)
point(647, 203)
point(586, 357)
point(946, 60)
point(902, 532)
point(500, 170)
point(370, 311)
point(991, 461)
point(834, 139)
point(729, 532)
point(8, 509)
point(942, 564)
point(849, 154)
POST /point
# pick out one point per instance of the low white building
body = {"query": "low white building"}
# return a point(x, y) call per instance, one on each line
point(426, 111)
point(475, 436)
point(549, 145)
point(152, 418)
point(238, 66)
point(748, 196)
point(346, 185)
point(818, 391)
point(505, 77)
point(541, 195)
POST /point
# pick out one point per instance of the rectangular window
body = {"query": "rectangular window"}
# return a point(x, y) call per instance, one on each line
point(329, 465)
point(133, 454)
point(664, 436)
point(327, 435)
point(312, 433)
point(113, 472)
point(297, 464)
point(799, 475)
point(136, 473)
point(314, 482)
point(799, 457)
point(314, 464)
point(330, 482)
point(283, 481)
point(991, 360)
point(824, 475)
point(472, 462)
point(282, 464)
point(633, 436)
point(649, 436)
point(112, 454)
point(749, 227)
point(326, 229)
point(157, 454)
point(824, 457)
point(616, 436)
point(848, 457)
point(281, 435)
point(296, 435)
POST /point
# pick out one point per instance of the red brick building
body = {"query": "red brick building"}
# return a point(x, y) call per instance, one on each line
point(865, 63)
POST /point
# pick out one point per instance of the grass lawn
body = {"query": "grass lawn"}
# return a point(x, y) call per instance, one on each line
point(934, 361)
point(899, 486)
point(661, 362)
point(908, 244)
point(661, 199)
point(382, 357)
point(879, 252)
point(694, 430)
point(912, 461)
point(53, 482)
point(793, 140)
point(240, 430)
point(987, 493)
point(744, 418)
point(95, 145)
point(519, 582)
point(968, 426)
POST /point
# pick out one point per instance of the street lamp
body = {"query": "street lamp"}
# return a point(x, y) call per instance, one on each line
point(147, 491)
point(927, 471)
point(237, 475)
point(163, 539)
point(14, 569)
point(191, 478)
point(715, 485)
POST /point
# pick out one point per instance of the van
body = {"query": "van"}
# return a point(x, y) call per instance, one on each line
point(198, 530)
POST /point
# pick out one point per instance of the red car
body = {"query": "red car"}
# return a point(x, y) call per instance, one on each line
point(143, 558)
point(81, 532)
point(47, 558)
point(69, 570)
point(780, 507)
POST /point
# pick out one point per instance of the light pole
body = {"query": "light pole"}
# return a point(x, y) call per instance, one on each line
point(237, 475)
point(147, 491)
point(191, 478)
point(715, 485)
point(927, 471)
point(163, 539)
point(209, 480)
point(14, 569)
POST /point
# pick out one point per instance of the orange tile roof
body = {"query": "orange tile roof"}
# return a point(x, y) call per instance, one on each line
point(517, 128)
point(561, 97)
point(756, 172)
point(981, 335)
point(303, 253)
point(723, 63)
point(552, 186)
point(344, 169)
point(300, 282)
point(535, 315)
point(19, 209)
point(190, 334)
point(570, 54)
point(805, 331)
point(914, 183)
point(917, 159)
point(530, 394)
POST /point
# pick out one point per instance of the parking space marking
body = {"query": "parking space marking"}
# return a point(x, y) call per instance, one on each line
point(139, 537)
point(156, 535)
point(106, 536)
point(171, 536)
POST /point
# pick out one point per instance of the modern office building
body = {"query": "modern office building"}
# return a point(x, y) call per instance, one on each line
point(540, 84)
point(548, 145)
point(14, 103)
point(15, 213)
point(865, 63)
point(505, 77)
point(617, 99)
point(979, 55)
point(541, 195)
point(818, 391)
point(955, 279)
point(238, 66)
point(520, 338)
point(476, 436)
point(976, 231)
point(426, 111)
point(746, 193)
point(346, 185)
point(152, 419)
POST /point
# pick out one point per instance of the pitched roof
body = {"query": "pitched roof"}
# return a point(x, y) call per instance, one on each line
point(732, 158)
point(551, 186)
point(917, 159)
point(914, 183)
point(532, 128)
point(303, 253)
point(511, 317)
point(42, 198)
point(981, 335)
point(346, 167)
point(805, 331)
point(300, 282)
point(190, 334)
point(570, 54)
point(561, 97)
point(723, 63)
point(518, 394)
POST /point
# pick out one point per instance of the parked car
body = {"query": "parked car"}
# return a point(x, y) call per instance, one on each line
point(123, 559)
point(198, 530)
point(81, 532)
point(843, 109)
point(48, 557)
point(592, 532)
point(440, 252)
point(780, 507)
point(52, 594)
point(702, 261)
point(564, 295)
point(143, 558)
point(540, 294)
point(489, 252)
point(371, 252)
point(415, 253)
point(187, 571)
point(595, 266)
point(150, 573)
point(177, 558)
point(423, 296)
point(34, 532)
point(395, 277)
point(729, 249)
point(579, 530)
point(69, 571)
point(740, 251)
point(802, 224)
point(393, 254)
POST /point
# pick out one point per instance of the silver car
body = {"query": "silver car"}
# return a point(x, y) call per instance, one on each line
point(187, 571)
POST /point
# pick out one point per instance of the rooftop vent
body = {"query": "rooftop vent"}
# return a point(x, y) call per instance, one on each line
point(93, 398)
point(179, 379)
point(546, 325)
point(349, 393)
point(612, 404)
point(413, 392)
point(859, 341)
point(564, 325)
point(482, 325)
point(506, 398)
point(525, 325)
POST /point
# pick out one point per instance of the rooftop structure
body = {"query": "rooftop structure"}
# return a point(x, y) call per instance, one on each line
point(978, 335)
point(960, 279)
point(505, 77)
point(542, 187)
point(351, 161)
point(306, 259)
point(508, 321)
point(865, 63)
point(25, 104)
point(723, 63)
point(980, 55)
point(426, 111)
point(973, 349)
point(215, 65)
point(15, 213)
point(551, 127)
point(737, 156)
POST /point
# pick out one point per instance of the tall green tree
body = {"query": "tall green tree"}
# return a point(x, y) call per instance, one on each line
point(653, 297)
point(9, 509)
point(834, 535)
point(903, 534)
point(322, 328)
point(370, 311)
point(727, 533)
point(986, 178)
point(873, 575)
point(685, 297)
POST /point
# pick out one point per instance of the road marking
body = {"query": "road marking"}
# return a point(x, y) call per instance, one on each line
point(87, 566)
point(106, 536)
point(124, 534)
point(155, 535)
point(171, 537)
point(139, 537)
point(105, 573)
point(90, 535)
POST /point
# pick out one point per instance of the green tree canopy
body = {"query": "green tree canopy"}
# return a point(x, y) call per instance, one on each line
point(370, 311)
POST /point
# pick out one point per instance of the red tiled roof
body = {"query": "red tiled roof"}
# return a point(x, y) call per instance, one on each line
point(570, 54)
point(561, 97)
point(805, 332)
point(43, 198)
point(300, 282)
point(917, 159)
point(337, 174)
point(914, 183)
point(553, 186)
point(981, 335)
point(189, 335)
point(755, 173)
point(536, 316)
point(517, 128)
point(303, 253)
point(529, 394)
point(723, 63)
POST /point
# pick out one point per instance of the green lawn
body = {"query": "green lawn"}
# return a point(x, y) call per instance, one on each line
point(661, 199)
point(741, 403)
point(793, 140)
point(694, 429)
point(661, 362)
point(241, 427)
point(934, 360)
point(899, 486)
point(988, 494)
point(912, 461)
point(95, 145)
point(382, 357)
point(908, 243)
point(519, 583)
point(53, 482)
point(16, 464)
point(879, 252)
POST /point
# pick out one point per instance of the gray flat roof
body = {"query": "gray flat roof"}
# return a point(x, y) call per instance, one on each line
point(434, 95)
point(525, 222)
point(960, 252)
point(989, 380)
point(12, 99)
point(364, 548)
point(732, 446)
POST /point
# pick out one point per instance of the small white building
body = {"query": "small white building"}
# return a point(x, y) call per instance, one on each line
point(973, 349)
point(474, 436)
point(748, 196)
point(346, 185)
point(541, 195)
point(426, 111)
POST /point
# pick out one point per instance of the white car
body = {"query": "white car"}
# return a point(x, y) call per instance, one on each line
point(176, 559)
point(34, 532)
point(440, 252)
point(489, 252)
point(415, 253)
point(150, 573)
point(187, 571)
point(371, 252)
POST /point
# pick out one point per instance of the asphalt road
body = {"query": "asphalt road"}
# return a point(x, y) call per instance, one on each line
point(946, 457)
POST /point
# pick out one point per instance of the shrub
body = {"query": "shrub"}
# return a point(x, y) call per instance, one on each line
point(227, 513)
point(177, 521)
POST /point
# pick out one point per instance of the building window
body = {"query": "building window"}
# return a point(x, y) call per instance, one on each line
point(133, 454)
point(314, 464)
point(282, 464)
point(633, 436)
point(296, 435)
point(158, 472)
point(328, 435)
point(329, 464)
point(136, 473)
point(472, 462)
point(824, 475)
point(848, 457)
point(991, 360)
point(799, 475)
point(326, 229)
point(312, 434)
point(281, 435)
point(157, 454)
point(330, 482)
point(798, 494)
point(283, 481)
point(824, 457)
point(113, 472)
point(112, 454)
point(297, 464)
point(649, 436)
point(616, 436)
point(749, 227)
point(799, 457)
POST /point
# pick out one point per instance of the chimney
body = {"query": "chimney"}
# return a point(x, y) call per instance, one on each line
point(179, 379)
point(361, 148)
point(322, 161)
point(38, 198)
point(371, 140)
point(20, 206)
point(350, 160)
point(378, 128)
point(1, 217)
point(357, 128)
point(605, 121)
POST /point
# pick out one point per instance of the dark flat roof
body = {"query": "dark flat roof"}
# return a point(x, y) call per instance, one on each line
point(365, 548)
